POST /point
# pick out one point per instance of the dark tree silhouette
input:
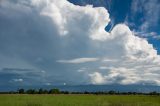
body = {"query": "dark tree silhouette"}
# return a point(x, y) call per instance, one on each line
point(21, 91)
point(31, 91)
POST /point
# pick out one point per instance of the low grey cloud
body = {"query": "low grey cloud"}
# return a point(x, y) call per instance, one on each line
point(21, 76)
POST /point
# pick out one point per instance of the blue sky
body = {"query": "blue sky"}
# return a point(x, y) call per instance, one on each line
point(79, 42)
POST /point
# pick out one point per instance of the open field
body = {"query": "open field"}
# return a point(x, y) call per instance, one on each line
point(78, 100)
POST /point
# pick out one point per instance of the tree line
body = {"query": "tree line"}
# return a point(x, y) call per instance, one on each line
point(57, 91)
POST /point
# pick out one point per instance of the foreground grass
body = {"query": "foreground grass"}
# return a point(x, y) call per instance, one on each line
point(79, 100)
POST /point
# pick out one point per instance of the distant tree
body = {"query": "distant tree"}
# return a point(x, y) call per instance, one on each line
point(54, 91)
point(21, 91)
point(64, 92)
point(31, 91)
point(11, 92)
point(40, 91)
point(86, 92)
point(153, 93)
point(111, 92)
point(45, 91)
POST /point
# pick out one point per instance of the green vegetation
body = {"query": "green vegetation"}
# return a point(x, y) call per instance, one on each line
point(78, 100)
point(57, 91)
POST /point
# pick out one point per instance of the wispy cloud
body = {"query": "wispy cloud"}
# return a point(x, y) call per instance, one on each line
point(142, 34)
point(18, 80)
point(78, 60)
point(151, 11)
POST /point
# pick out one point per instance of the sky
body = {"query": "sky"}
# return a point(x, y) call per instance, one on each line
point(79, 42)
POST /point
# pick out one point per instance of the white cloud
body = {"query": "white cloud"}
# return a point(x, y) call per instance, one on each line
point(78, 60)
point(135, 52)
point(18, 80)
point(109, 60)
point(64, 84)
point(66, 16)
point(48, 84)
point(103, 67)
point(124, 76)
point(80, 70)
point(97, 78)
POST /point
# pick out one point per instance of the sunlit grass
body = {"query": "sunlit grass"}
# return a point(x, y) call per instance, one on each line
point(79, 100)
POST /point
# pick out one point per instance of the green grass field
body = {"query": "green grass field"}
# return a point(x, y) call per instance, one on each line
point(78, 100)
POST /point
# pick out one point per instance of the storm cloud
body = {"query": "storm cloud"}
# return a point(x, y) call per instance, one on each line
point(59, 42)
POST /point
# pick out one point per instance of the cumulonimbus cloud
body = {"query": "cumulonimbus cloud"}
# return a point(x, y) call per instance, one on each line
point(79, 31)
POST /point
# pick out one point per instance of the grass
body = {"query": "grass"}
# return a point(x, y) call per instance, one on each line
point(79, 100)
